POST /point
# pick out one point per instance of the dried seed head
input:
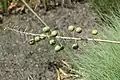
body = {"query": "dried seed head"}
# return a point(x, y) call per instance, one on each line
point(31, 42)
point(42, 36)
point(52, 42)
point(54, 33)
point(58, 48)
point(46, 29)
point(71, 28)
point(78, 29)
point(37, 38)
point(75, 46)
point(94, 32)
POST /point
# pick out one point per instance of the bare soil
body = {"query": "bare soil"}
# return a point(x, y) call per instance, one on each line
point(21, 61)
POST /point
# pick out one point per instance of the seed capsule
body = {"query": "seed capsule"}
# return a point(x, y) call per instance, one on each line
point(52, 42)
point(75, 46)
point(71, 28)
point(94, 32)
point(58, 48)
point(54, 33)
point(42, 36)
point(31, 42)
point(78, 29)
point(46, 29)
point(37, 38)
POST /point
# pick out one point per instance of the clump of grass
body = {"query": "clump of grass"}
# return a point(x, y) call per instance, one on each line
point(101, 61)
point(106, 9)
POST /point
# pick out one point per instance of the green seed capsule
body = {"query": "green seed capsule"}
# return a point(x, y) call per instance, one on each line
point(75, 46)
point(31, 42)
point(54, 33)
point(78, 29)
point(42, 36)
point(71, 28)
point(94, 32)
point(46, 29)
point(58, 48)
point(37, 38)
point(52, 42)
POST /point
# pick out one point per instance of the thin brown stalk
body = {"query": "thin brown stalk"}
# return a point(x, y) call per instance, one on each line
point(34, 12)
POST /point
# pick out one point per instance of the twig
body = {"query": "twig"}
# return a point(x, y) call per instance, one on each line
point(67, 38)
point(65, 63)
point(62, 72)
point(107, 41)
point(33, 12)
point(58, 74)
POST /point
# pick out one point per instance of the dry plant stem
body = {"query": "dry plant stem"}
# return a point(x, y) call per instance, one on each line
point(65, 63)
point(67, 38)
point(74, 36)
point(100, 40)
point(58, 74)
point(62, 72)
point(89, 39)
point(33, 12)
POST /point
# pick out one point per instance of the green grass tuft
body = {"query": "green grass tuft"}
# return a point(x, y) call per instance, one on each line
point(101, 61)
